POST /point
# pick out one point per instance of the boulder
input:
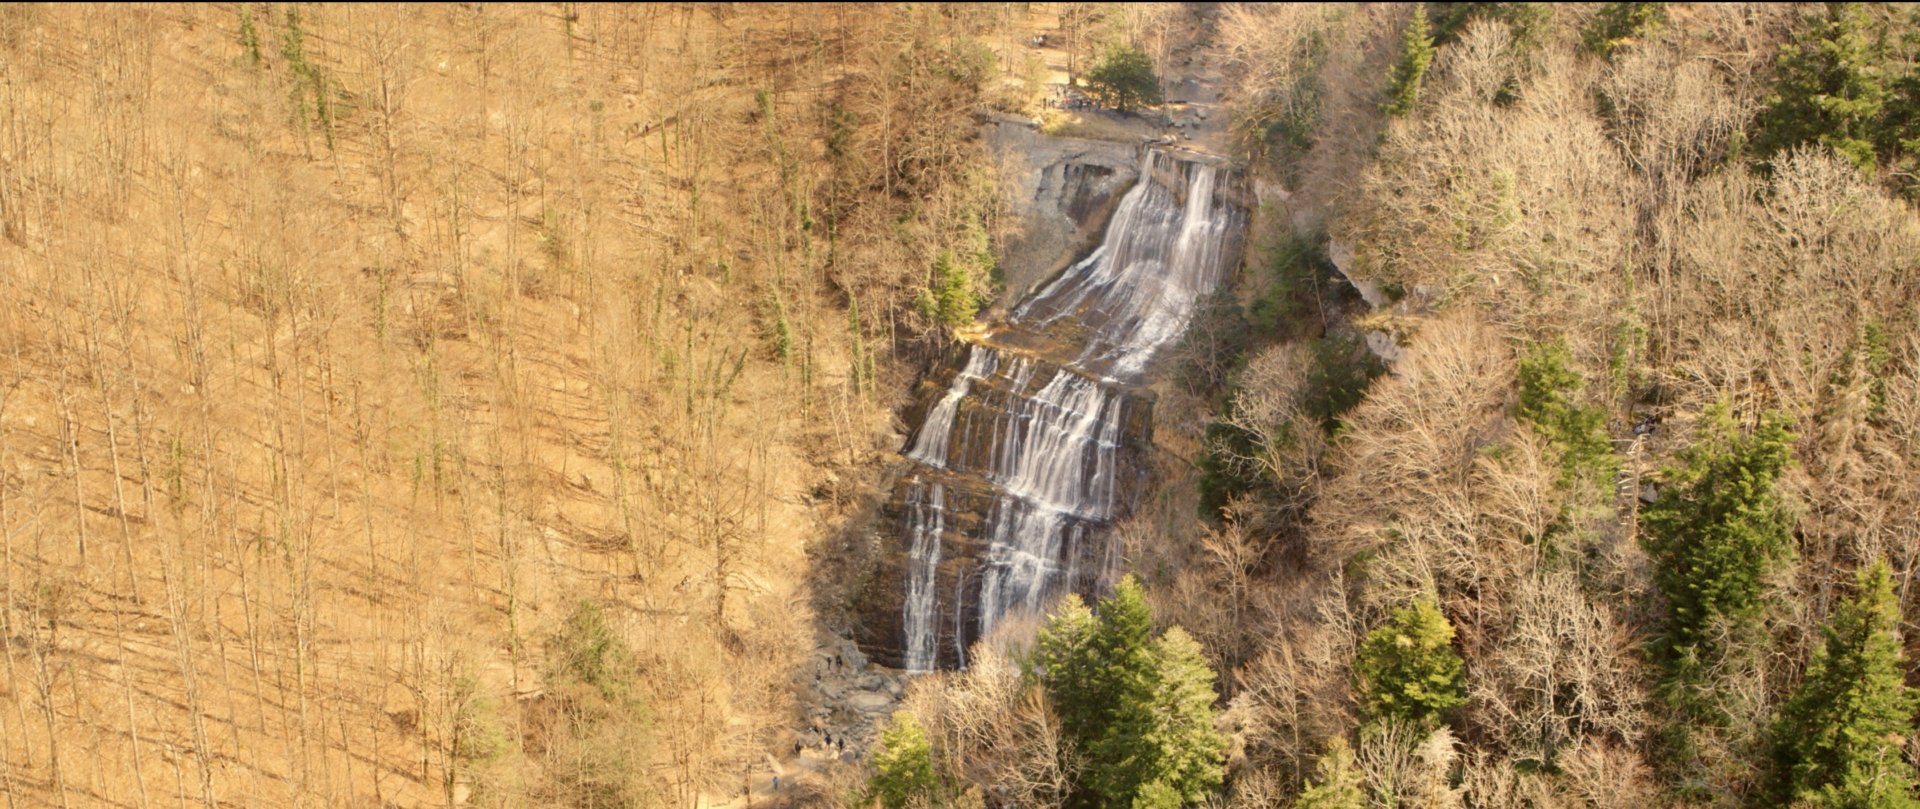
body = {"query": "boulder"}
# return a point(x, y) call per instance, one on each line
point(870, 702)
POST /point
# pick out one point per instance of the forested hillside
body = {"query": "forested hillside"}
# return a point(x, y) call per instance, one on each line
point(434, 405)
point(1557, 446)
point(475, 405)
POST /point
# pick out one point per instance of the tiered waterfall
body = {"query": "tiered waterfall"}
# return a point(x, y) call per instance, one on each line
point(1032, 439)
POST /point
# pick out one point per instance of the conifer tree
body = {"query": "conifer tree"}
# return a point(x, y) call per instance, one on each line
point(1157, 795)
point(1830, 87)
point(951, 299)
point(1617, 24)
point(903, 767)
point(1416, 53)
point(1121, 642)
point(1121, 684)
point(1837, 741)
point(604, 727)
point(588, 653)
point(1140, 708)
point(1125, 79)
point(1549, 400)
point(1185, 749)
point(1407, 668)
point(1337, 783)
point(1718, 528)
point(1062, 655)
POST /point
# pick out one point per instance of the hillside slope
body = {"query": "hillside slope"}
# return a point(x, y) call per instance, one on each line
point(418, 405)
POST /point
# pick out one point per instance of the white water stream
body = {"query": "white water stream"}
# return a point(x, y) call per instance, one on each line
point(1052, 456)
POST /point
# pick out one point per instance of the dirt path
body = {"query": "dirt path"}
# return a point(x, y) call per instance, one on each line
point(1192, 80)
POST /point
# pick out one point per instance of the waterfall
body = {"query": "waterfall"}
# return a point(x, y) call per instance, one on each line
point(1141, 286)
point(927, 522)
point(1021, 569)
point(930, 444)
point(1033, 450)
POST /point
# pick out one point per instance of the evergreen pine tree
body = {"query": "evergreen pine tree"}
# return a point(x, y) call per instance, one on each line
point(1407, 669)
point(1617, 24)
point(1718, 528)
point(1187, 751)
point(1337, 783)
point(1140, 708)
point(1837, 741)
point(1121, 642)
point(1158, 795)
point(588, 652)
point(1123, 681)
point(1830, 87)
point(1416, 53)
point(1125, 79)
point(951, 299)
point(903, 767)
point(1549, 400)
point(1062, 658)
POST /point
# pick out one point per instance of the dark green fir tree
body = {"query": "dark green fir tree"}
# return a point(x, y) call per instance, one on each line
point(1837, 743)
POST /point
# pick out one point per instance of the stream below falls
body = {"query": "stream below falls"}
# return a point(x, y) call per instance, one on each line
point(1033, 439)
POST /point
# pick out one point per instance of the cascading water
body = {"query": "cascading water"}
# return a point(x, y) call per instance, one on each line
point(1035, 446)
point(928, 520)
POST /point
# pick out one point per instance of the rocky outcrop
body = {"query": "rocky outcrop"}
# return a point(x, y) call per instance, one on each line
point(1383, 342)
point(1063, 190)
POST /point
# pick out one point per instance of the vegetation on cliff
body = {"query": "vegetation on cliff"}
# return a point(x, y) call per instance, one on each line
point(1642, 281)
point(1646, 274)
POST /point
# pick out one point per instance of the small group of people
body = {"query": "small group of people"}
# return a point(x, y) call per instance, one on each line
point(1066, 98)
point(828, 744)
point(830, 663)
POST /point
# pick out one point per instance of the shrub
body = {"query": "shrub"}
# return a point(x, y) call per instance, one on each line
point(1407, 670)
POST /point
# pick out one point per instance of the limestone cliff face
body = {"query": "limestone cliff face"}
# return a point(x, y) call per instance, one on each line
point(1064, 190)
